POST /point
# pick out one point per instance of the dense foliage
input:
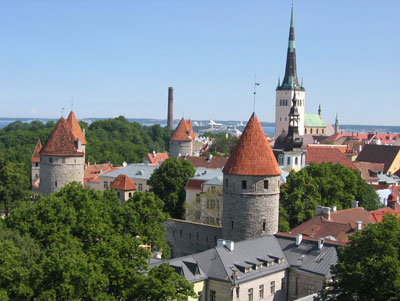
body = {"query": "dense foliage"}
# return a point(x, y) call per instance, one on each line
point(115, 140)
point(324, 184)
point(80, 244)
point(224, 143)
point(168, 183)
point(369, 268)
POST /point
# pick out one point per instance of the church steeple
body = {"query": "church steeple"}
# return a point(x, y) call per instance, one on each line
point(293, 140)
point(290, 80)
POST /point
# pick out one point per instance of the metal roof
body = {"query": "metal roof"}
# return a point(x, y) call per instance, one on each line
point(134, 171)
point(313, 120)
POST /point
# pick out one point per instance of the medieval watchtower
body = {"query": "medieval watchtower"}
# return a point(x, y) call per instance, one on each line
point(285, 91)
point(181, 142)
point(62, 158)
point(251, 187)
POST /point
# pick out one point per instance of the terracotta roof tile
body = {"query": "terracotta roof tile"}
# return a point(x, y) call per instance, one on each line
point(334, 155)
point(75, 127)
point(36, 157)
point(123, 182)
point(182, 132)
point(92, 171)
point(156, 158)
point(190, 127)
point(342, 148)
point(252, 154)
point(194, 184)
point(61, 141)
point(215, 162)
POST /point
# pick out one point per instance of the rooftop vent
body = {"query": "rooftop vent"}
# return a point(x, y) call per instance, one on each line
point(299, 238)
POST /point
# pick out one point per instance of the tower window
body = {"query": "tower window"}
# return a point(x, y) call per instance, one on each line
point(264, 224)
point(36, 164)
point(244, 184)
point(232, 224)
point(55, 184)
point(288, 160)
point(226, 182)
point(265, 184)
point(119, 194)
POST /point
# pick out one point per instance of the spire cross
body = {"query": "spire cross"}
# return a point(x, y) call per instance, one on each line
point(255, 92)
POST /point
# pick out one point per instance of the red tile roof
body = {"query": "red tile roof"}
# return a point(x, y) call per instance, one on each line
point(215, 162)
point(190, 127)
point(194, 184)
point(252, 154)
point(36, 157)
point(334, 155)
point(123, 182)
point(75, 127)
point(342, 148)
point(61, 141)
point(182, 132)
point(384, 138)
point(156, 158)
point(92, 171)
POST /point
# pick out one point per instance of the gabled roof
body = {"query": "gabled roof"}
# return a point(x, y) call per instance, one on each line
point(61, 141)
point(35, 156)
point(123, 182)
point(252, 154)
point(75, 127)
point(369, 170)
point(327, 154)
point(182, 132)
point(156, 158)
point(314, 120)
point(194, 184)
point(213, 162)
point(379, 154)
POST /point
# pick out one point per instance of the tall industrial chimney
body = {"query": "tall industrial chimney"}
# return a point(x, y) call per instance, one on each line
point(170, 117)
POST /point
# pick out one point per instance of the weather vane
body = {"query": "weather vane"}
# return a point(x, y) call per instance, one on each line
point(62, 112)
point(255, 92)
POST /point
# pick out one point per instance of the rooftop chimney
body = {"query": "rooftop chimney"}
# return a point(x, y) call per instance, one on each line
point(299, 238)
point(170, 116)
point(354, 204)
point(320, 243)
point(221, 242)
point(230, 245)
point(358, 225)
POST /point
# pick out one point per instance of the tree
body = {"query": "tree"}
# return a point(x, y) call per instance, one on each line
point(168, 183)
point(369, 268)
point(324, 184)
point(14, 186)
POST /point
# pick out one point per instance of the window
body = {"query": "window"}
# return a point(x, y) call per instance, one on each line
point(226, 182)
point(180, 232)
point(119, 195)
point(261, 291)
point(213, 295)
point(280, 159)
point(199, 294)
point(55, 184)
point(140, 187)
point(265, 184)
point(244, 184)
point(232, 224)
point(250, 294)
point(130, 194)
point(105, 184)
point(310, 131)
point(272, 287)
point(198, 197)
point(288, 161)
point(213, 188)
point(36, 164)
point(50, 160)
point(296, 161)
point(264, 224)
point(323, 131)
point(317, 131)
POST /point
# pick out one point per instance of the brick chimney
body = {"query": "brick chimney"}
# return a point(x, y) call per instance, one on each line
point(170, 116)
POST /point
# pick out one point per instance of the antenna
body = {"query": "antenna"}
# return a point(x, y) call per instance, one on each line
point(62, 112)
point(255, 92)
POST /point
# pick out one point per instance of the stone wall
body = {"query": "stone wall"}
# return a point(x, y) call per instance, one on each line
point(35, 173)
point(186, 237)
point(56, 172)
point(251, 212)
point(303, 283)
point(180, 147)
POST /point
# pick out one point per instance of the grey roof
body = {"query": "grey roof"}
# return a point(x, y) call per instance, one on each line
point(215, 181)
point(203, 173)
point(185, 266)
point(220, 263)
point(134, 171)
point(308, 257)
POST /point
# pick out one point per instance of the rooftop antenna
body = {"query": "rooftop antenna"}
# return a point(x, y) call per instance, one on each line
point(255, 92)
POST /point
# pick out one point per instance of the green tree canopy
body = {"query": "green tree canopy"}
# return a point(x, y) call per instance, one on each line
point(80, 244)
point(369, 268)
point(324, 184)
point(224, 143)
point(168, 183)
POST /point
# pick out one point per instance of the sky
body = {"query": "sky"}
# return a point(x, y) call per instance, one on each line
point(112, 58)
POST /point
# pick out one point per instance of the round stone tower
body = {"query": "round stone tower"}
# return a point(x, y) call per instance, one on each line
point(62, 159)
point(251, 187)
point(181, 142)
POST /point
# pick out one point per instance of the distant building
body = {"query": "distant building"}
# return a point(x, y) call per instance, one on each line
point(389, 155)
point(62, 158)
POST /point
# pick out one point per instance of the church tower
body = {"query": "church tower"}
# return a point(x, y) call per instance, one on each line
point(250, 187)
point(293, 155)
point(285, 91)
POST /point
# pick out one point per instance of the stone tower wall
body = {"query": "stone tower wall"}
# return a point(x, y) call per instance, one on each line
point(282, 111)
point(180, 147)
point(254, 211)
point(56, 172)
point(35, 172)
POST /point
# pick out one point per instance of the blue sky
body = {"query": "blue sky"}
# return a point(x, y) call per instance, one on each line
point(119, 58)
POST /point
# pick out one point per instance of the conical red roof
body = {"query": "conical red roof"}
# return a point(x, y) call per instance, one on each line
point(61, 141)
point(123, 182)
point(190, 127)
point(36, 157)
point(252, 154)
point(75, 127)
point(182, 132)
